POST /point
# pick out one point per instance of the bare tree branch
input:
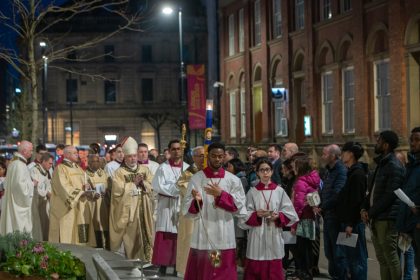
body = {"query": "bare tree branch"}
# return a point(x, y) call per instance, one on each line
point(32, 21)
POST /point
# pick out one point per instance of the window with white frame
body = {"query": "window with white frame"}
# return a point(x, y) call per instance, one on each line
point(348, 100)
point(257, 22)
point(243, 114)
point(241, 36)
point(277, 18)
point(232, 112)
point(382, 95)
point(325, 9)
point(327, 102)
point(345, 5)
point(299, 14)
point(231, 35)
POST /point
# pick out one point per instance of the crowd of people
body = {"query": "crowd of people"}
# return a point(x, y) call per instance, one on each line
point(207, 214)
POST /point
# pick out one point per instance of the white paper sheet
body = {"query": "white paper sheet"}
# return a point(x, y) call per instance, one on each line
point(404, 198)
point(288, 237)
point(345, 240)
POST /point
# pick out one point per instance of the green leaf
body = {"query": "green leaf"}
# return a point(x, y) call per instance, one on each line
point(26, 270)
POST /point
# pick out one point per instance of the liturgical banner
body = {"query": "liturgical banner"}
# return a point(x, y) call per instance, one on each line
point(196, 96)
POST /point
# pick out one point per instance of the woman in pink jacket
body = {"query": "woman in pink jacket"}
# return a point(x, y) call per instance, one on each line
point(307, 181)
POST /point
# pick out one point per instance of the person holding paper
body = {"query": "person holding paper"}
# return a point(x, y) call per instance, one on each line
point(99, 200)
point(269, 210)
point(380, 207)
point(409, 217)
point(350, 199)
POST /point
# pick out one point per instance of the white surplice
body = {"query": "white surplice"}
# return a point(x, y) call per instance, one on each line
point(164, 184)
point(16, 211)
point(111, 167)
point(265, 242)
point(218, 223)
point(153, 166)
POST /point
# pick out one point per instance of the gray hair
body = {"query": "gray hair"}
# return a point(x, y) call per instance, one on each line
point(334, 150)
point(196, 149)
point(68, 149)
point(24, 145)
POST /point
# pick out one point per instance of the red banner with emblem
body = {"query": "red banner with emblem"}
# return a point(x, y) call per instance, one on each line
point(196, 96)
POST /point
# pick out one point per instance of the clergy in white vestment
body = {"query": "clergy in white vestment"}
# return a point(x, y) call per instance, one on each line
point(16, 212)
point(214, 197)
point(41, 199)
point(165, 185)
point(143, 158)
point(269, 210)
point(39, 151)
point(112, 166)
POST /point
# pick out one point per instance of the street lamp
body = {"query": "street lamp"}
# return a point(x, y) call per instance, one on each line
point(167, 10)
point(43, 46)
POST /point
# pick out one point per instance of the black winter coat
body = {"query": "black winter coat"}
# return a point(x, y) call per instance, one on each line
point(388, 176)
point(352, 195)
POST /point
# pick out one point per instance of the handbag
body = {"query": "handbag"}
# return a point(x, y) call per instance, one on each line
point(306, 229)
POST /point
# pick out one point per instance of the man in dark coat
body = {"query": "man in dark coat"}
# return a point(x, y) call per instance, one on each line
point(409, 218)
point(380, 208)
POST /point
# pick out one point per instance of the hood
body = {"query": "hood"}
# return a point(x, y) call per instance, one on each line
point(359, 165)
point(312, 179)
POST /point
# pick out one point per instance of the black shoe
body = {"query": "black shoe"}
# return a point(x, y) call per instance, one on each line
point(162, 271)
point(315, 272)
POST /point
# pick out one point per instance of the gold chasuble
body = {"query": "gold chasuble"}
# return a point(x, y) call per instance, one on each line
point(99, 207)
point(131, 217)
point(69, 212)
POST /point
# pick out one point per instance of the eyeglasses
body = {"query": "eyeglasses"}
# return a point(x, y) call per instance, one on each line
point(264, 170)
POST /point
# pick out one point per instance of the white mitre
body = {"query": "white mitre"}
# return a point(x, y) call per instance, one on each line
point(130, 146)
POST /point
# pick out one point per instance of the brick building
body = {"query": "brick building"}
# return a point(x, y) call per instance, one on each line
point(142, 77)
point(350, 69)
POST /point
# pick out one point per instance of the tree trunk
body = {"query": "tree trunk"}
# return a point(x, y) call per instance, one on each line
point(34, 91)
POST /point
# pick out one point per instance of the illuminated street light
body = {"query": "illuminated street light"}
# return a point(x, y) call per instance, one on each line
point(167, 10)
point(43, 46)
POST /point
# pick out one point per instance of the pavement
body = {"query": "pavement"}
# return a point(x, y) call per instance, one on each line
point(127, 269)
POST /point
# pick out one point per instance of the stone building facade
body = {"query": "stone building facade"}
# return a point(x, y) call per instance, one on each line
point(139, 81)
point(345, 70)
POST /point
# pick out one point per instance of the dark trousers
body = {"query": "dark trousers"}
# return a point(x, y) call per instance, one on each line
point(416, 245)
point(304, 258)
point(331, 229)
